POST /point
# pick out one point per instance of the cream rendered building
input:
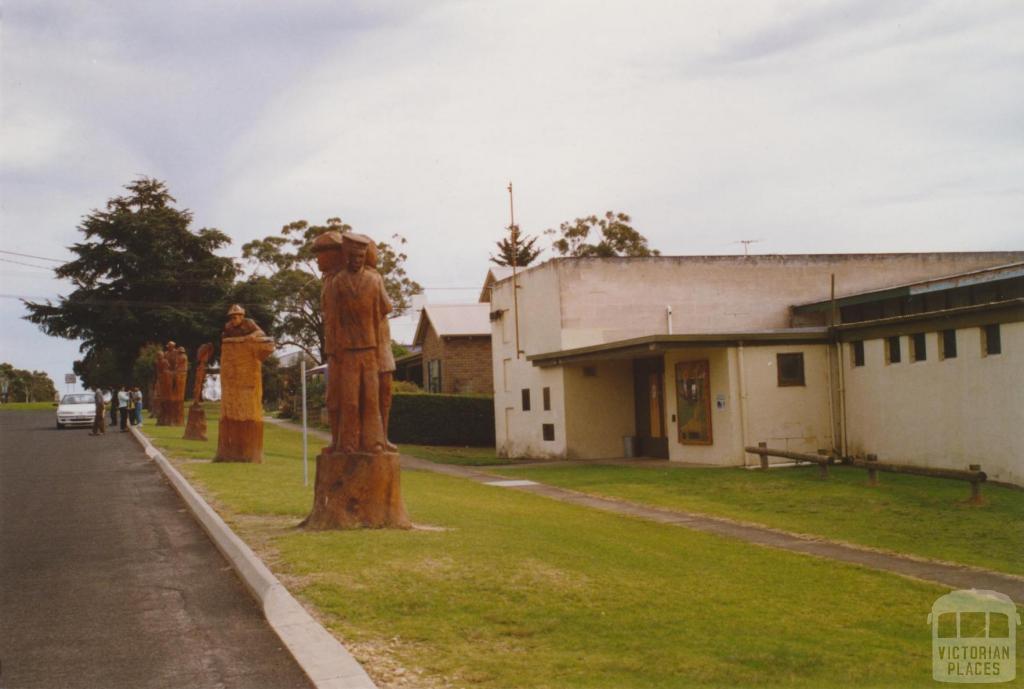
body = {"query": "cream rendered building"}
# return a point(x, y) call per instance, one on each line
point(693, 358)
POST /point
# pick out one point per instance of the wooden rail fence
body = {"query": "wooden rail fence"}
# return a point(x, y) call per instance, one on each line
point(974, 475)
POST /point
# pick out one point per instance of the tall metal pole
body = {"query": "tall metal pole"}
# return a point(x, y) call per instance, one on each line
point(305, 443)
point(515, 258)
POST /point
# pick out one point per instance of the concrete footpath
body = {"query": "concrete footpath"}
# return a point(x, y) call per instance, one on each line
point(949, 574)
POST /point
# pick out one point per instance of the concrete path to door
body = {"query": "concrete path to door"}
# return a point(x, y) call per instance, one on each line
point(107, 581)
point(945, 573)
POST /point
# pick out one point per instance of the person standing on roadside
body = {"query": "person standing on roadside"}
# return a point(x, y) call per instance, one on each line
point(137, 404)
point(112, 401)
point(99, 421)
point(123, 398)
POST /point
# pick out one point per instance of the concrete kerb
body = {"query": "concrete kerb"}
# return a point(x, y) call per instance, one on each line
point(326, 662)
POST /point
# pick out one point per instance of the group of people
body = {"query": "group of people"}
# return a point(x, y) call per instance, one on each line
point(125, 408)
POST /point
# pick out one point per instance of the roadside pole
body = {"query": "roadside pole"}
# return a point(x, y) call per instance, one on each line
point(305, 444)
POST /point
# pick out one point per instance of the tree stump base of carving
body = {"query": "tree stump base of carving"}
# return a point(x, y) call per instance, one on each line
point(195, 429)
point(239, 441)
point(172, 413)
point(358, 490)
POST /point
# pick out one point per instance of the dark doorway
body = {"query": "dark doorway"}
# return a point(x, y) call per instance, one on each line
point(649, 393)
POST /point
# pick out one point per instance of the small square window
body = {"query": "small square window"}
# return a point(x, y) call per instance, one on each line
point(526, 399)
point(548, 431)
point(991, 343)
point(892, 349)
point(918, 347)
point(790, 369)
point(948, 341)
point(547, 399)
point(858, 352)
point(590, 371)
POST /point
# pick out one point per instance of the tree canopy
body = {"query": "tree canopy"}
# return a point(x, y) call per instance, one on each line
point(26, 386)
point(516, 245)
point(605, 236)
point(287, 280)
point(141, 276)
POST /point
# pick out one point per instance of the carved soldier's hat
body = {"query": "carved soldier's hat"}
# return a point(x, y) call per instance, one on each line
point(360, 239)
point(236, 308)
point(328, 241)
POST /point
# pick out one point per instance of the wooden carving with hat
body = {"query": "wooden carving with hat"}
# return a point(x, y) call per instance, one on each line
point(243, 347)
point(358, 481)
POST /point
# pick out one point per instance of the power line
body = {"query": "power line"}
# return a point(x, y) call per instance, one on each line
point(20, 263)
point(41, 258)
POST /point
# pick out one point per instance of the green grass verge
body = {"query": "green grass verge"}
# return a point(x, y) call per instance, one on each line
point(28, 406)
point(909, 514)
point(515, 591)
point(462, 456)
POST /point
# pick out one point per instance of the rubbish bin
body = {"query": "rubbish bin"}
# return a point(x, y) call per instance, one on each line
point(629, 445)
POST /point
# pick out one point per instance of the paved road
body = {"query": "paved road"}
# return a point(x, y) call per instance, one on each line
point(105, 579)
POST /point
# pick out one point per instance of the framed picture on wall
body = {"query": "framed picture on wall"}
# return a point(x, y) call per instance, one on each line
point(693, 402)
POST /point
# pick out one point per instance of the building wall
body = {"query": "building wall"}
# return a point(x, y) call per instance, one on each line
point(467, 365)
point(726, 433)
point(794, 418)
point(465, 362)
point(570, 303)
point(600, 409)
point(944, 413)
point(433, 349)
point(604, 300)
point(518, 434)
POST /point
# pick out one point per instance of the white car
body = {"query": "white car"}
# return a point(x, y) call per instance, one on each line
point(76, 409)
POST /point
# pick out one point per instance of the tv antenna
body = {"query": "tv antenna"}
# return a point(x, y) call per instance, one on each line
point(746, 244)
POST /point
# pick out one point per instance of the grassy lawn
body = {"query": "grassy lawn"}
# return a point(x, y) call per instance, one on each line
point(463, 456)
point(27, 406)
point(909, 514)
point(512, 590)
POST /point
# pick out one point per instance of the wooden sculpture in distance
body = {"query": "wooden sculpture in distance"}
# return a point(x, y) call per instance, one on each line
point(358, 481)
point(243, 347)
point(172, 372)
point(195, 428)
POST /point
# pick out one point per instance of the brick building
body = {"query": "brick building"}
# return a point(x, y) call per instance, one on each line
point(455, 342)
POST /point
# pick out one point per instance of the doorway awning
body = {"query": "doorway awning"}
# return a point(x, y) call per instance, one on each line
point(647, 345)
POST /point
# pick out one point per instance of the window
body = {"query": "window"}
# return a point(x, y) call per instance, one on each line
point(892, 349)
point(948, 341)
point(990, 340)
point(590, 371)
point(547, 399)
point(858, 352)
point(548, 431)
point(918, 347)
point(526, 399)
point(790, 369)
point(434, 375)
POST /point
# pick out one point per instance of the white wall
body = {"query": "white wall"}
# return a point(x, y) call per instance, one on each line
point(600, 410)
point(794, 418)
point(944, 413)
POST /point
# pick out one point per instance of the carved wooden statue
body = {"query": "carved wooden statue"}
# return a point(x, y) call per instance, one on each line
point(358, 481)
point(195, 429)
point(172, 371)
point(243, 347)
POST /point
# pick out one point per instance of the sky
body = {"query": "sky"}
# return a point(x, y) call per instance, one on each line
point(808, 127)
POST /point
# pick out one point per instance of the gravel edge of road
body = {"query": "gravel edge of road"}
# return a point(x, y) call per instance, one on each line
point(326, 662)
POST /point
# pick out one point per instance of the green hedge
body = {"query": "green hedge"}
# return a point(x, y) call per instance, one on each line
point(423, 419)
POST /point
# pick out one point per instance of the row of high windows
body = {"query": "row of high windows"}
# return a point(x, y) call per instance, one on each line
point(991, 343)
